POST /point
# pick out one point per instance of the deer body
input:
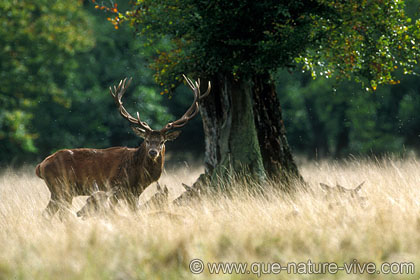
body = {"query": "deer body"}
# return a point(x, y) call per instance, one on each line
point(100, 202)
point(126, 172)
point(79, 170)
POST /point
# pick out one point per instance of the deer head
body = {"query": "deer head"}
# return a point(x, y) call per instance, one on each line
point(155, 139)
point(98, 203)
point(190, 194)
point(342, 194)
point(159, 198)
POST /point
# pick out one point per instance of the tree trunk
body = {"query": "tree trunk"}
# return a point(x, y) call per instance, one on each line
point(238, 139)
point(277, 157)
point(231, 142)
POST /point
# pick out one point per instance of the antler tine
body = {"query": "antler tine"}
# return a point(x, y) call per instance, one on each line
point(117, 94)
point(143, 124)
point(197, 86)
point(120, 92)
point(194, 108)
point(207, 92)
point(189, 81)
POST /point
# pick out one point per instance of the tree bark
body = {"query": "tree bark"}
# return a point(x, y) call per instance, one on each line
point(276, 154)
point(244, 130)
point(231, 142)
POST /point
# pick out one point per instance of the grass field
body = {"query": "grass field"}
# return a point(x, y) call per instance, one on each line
point(244, 228)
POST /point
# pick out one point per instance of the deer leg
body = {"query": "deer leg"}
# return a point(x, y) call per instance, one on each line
point(130, 199)
point(53, 205)
point(51, 209)
point(136, 203)
point(65, 204)
point(132, 202)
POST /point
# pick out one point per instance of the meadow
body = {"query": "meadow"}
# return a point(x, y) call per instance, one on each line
point(275, 228)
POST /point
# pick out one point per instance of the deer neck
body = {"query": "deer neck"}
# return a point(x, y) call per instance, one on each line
point(151, 168)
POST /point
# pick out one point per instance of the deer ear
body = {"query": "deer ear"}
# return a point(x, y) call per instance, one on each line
point(139, 132)
point(172, 135)
point(325, 187)
point(342, 189)
point(158, 187)
point(187, 188)
point(359, 187)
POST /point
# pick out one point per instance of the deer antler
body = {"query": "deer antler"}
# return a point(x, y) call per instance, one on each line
point(193, 110)
point(117, 93)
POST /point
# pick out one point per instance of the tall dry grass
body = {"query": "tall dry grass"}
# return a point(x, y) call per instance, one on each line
point(241, 228)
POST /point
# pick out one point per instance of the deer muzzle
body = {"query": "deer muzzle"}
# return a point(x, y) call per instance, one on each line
point(153, 153)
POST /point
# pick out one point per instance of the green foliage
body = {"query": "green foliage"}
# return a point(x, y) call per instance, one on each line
point(370, 42)
point(224, 36)
point(39, 40)
point(59, 58)
point(324, 119)
point(365, 40)
point(91, 119)
point(57, 62)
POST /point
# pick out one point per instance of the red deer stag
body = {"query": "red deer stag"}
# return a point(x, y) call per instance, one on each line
point(124, 171)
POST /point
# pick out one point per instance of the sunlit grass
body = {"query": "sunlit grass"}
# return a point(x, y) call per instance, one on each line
point(244, 228)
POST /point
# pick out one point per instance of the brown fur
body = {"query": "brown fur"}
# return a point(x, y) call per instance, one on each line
point(125, 171)
point(38, 171)
point(99, 203)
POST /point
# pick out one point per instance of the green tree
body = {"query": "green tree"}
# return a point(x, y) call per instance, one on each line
point(90, 118)
point(57, 62)
point(239, 44)
point(334, 120)
point(37, 49)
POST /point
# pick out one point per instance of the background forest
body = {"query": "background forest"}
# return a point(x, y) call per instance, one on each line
point(58, 60)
